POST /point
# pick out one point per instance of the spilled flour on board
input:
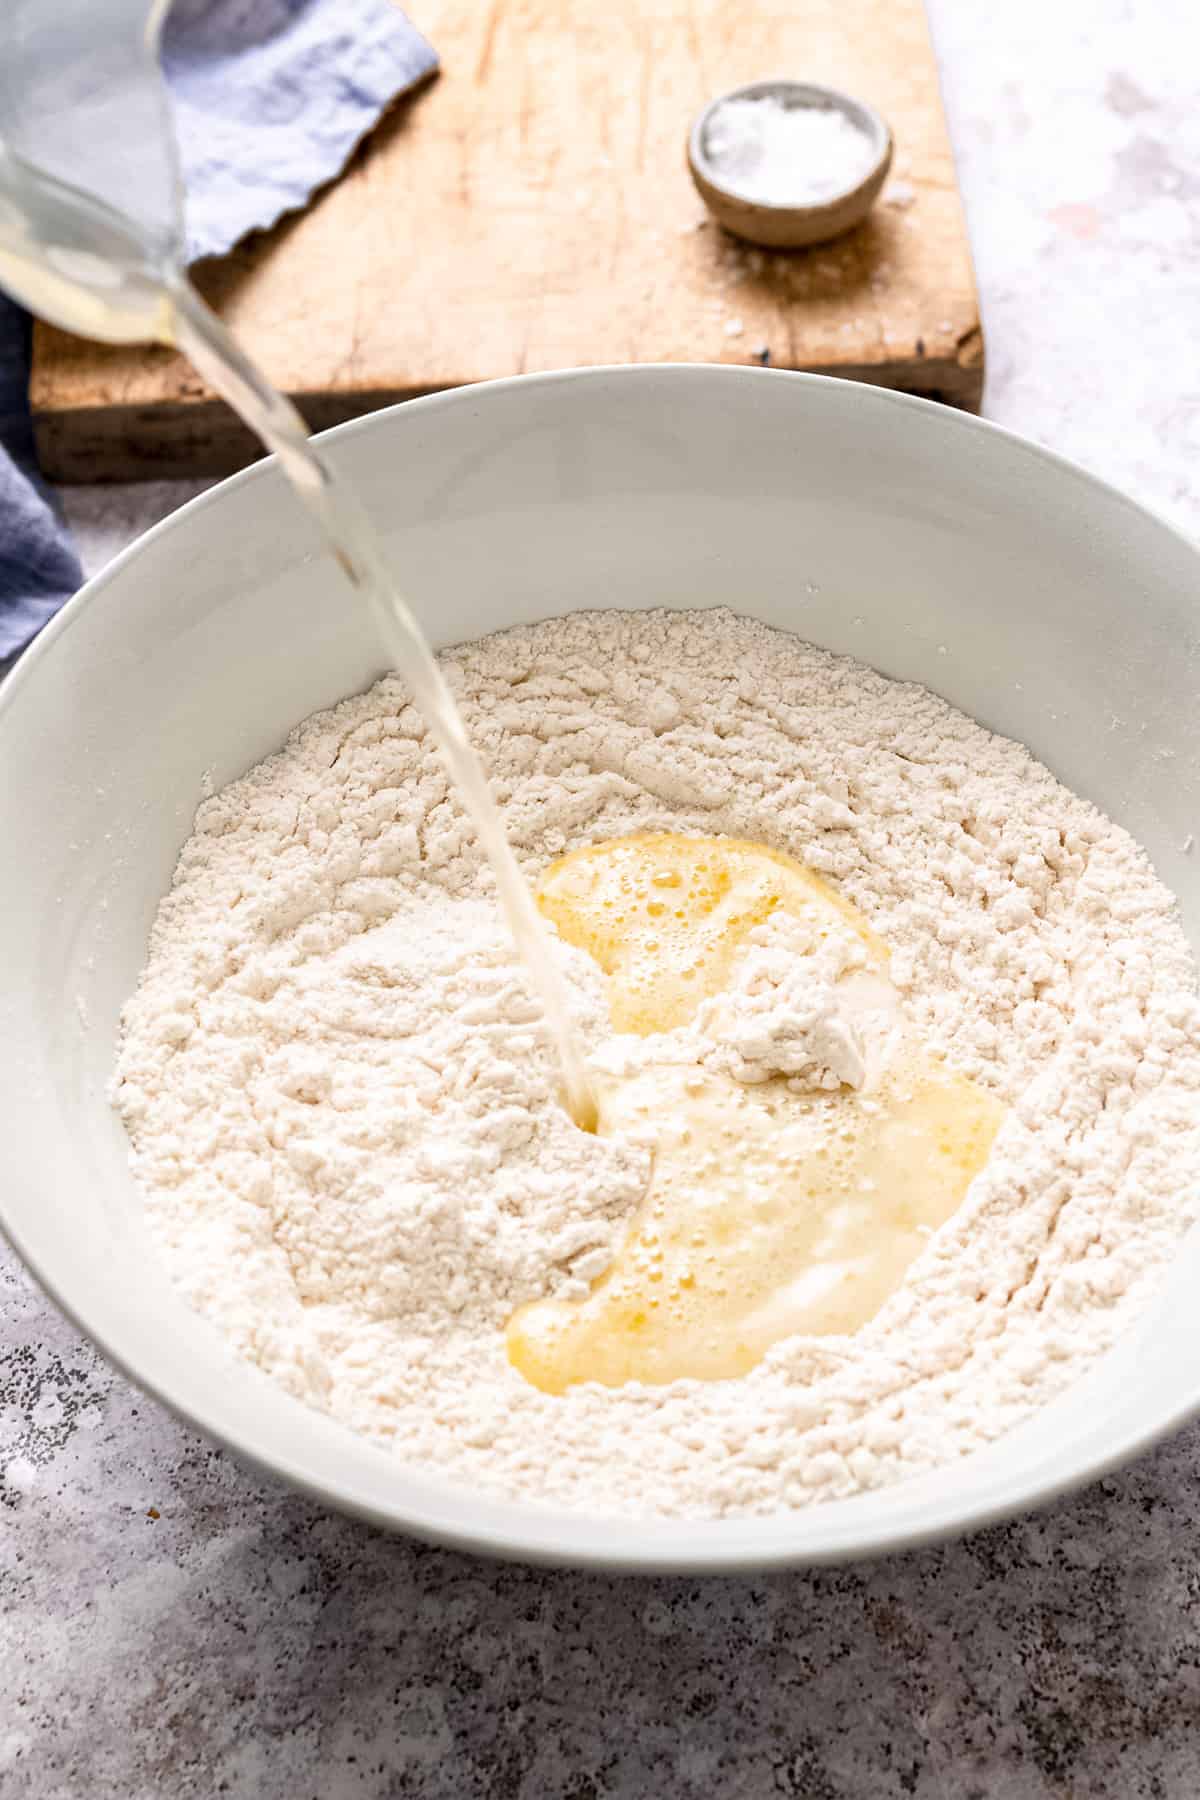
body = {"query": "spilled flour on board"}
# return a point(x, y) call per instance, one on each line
point(345, 1121)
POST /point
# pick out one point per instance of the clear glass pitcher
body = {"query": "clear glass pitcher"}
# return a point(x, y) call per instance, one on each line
point(91, 200)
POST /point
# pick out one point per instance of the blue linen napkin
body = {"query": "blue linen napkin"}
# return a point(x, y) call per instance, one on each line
point(271, 97)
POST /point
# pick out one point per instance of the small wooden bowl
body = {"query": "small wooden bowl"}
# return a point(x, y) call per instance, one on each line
point(789, 227)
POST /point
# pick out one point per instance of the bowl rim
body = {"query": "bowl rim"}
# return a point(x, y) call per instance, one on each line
point(560, 1538)
point(817, 96)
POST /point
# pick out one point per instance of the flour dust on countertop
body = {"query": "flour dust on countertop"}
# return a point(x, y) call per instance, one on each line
point(344, 1114)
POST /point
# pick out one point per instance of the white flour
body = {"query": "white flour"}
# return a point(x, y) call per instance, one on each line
point(785, 1013)
point(343, 1115)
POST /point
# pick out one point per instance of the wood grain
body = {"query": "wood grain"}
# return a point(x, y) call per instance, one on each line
point(531, 209)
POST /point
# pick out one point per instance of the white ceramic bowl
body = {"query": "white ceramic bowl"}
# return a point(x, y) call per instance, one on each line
point(935, 547)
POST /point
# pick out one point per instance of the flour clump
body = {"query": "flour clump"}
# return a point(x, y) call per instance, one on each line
point(784, 1013)
point(345, 1118)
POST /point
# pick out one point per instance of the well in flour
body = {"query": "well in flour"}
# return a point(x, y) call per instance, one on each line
point(345, 1122)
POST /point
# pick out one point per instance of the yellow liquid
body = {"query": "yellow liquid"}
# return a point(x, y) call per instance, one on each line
point(769, 1213)
point(665, 916)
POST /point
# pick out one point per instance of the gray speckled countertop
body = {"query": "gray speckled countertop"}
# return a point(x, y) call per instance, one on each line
point(171, 1626)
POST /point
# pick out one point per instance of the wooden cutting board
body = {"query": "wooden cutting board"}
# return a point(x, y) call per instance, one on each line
point(531, 209)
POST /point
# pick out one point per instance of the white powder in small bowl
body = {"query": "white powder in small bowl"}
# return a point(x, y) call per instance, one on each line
point(779, 154)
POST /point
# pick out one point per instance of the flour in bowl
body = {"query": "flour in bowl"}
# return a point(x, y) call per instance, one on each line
point(345, 1120)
